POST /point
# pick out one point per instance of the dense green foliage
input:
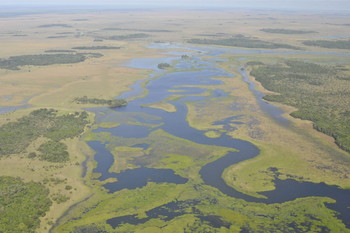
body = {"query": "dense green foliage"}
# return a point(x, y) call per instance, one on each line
point(114, 103)
point(163, 66)
point(16, 136)
point(21, 205)
point(254, 63)
point(285, 31)
point(96, 47)
point(331, 44)
point(59, 198)
point(54, 151)
point(321, 94)
point(13, 63)
point(242, 41)
point(130, 36)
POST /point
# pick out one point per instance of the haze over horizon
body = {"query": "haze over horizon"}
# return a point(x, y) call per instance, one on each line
point(305, 5)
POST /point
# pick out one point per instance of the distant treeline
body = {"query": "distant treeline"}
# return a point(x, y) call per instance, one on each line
point(56, 37)
point(331, 44)
point(113, 103)
point(212, 35)
point(60, 51)
point(130, 36)
point(80, 20)
point(96, 47)
point(242, 41)
point(54, 25)
point(13, 63)
point(320, 93)
point(16, 136)
point(285, 31)
point(139, 30)
point(64, 33)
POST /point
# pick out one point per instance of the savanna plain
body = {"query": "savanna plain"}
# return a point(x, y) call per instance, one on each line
point(111, 121)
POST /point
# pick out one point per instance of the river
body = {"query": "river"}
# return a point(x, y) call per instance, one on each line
point(191, 83)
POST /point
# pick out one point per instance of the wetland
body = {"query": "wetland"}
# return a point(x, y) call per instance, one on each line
point(159, 132)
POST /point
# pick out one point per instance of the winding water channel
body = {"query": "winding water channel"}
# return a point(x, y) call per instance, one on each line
point(191, 84)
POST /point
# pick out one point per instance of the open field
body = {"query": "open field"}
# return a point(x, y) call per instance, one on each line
point(296, 150)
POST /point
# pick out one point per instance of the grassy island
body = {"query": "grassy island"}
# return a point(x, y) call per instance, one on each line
point(113, 103)
point(13, 63)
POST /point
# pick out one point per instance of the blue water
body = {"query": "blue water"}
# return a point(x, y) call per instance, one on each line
point(130, 178)
point(11, 109)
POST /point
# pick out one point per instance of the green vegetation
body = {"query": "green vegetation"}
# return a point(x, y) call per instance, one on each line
point(21, 205)
point(285, 31)
point(163, 66)
point(242, 41)
point(96, 47)
point(319, 92)
point(54, 25)
point(331, 44)
point(13, 63)
point(113, 103)
point(16, 136)
point(54, 181)
point(130, 36)
point(53, 151)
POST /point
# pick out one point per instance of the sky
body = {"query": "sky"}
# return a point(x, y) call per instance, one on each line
point(266, 4)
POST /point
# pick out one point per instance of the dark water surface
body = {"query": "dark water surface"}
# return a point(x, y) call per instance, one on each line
point(192, 83)
point(11, 109)
point(131, 178)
